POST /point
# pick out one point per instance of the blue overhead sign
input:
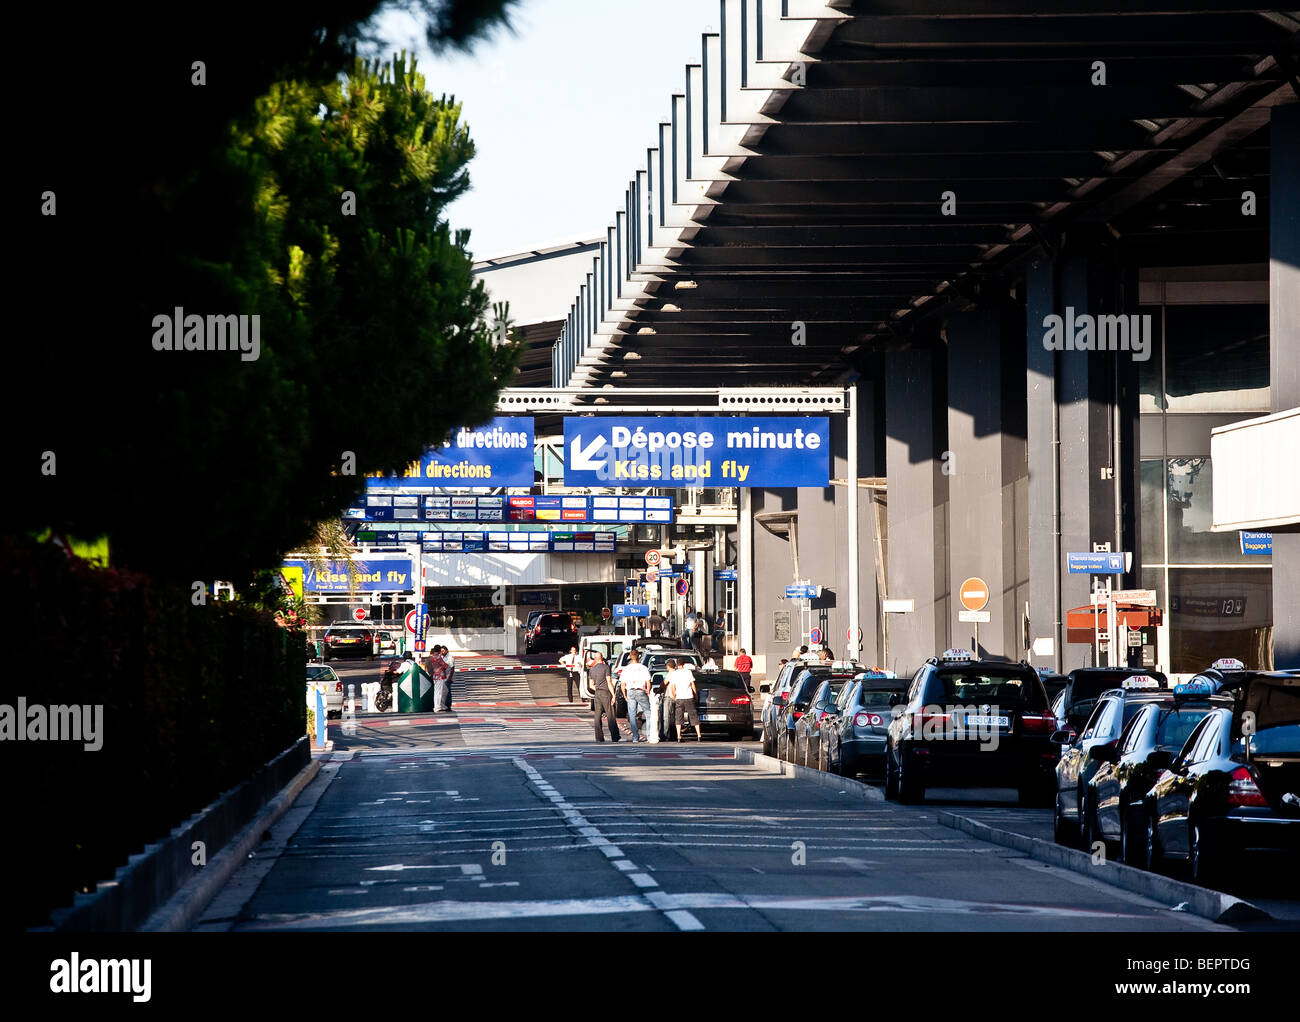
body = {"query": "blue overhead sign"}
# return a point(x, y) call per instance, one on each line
point(801, 592)
point(368, 576)
point(689, 452)
point(724, 574)
point(624, 610)
point(1257, 544)
point(1096, 563)
point(498, 453)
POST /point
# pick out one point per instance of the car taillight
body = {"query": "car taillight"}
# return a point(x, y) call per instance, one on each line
point(867, 720)
point(1243, 791)
point(824, 714)
point(338, 687)
point(924, 718)
point(796, 714)
point(1038, 723)
point(740, 701)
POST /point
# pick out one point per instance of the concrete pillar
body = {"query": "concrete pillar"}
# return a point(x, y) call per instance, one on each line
point(1284, 344)
point(916, 437)
point(987, 501)
point(1046, 619)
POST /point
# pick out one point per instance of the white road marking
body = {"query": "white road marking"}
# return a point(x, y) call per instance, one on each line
point(624, 864)
point(641, 880)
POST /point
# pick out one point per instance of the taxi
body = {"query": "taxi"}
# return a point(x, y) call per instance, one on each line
point(972, 723)
point(1074, 819)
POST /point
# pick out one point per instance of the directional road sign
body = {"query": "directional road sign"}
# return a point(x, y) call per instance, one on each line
point(1098, 563)
point(749, 451)
point(801, 592)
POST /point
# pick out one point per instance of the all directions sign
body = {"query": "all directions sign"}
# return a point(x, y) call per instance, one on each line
point(368, 576)
point(499, 453)
point(738, 451)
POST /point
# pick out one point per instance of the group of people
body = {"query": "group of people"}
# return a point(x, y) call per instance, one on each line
point(695, 627)
point(679, 689)
point(439, 665)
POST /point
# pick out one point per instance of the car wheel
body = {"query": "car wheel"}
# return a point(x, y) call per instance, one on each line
point(1203, 858)
point(891, 780)
point(909, 791)
point(769, 746)
point(1061, 831)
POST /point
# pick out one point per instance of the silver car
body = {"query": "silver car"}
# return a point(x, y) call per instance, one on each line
point(333, 695)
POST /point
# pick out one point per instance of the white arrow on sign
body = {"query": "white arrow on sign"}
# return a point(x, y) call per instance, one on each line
point(580, 460)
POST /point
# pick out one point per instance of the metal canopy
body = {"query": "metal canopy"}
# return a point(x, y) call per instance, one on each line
point(801, 176)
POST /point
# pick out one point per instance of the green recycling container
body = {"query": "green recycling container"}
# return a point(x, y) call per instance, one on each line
point(414, 690)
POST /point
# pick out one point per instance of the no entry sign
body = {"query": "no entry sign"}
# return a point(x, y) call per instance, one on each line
point(974, 594)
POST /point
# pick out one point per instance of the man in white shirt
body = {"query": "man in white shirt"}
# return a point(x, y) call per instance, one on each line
point(635, 679)
point(570, 662)
point(680, 682)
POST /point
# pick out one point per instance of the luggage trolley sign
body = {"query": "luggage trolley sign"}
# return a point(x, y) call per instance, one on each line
point(749, 451)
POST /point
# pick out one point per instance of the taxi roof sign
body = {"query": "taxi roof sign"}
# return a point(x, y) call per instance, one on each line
point(956, 653)
point(1228, 663)
point(1141, 681)
point(1196, 687)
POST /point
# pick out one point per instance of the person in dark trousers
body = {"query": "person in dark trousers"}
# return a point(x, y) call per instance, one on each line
point(681, 686)
point(602, 697)
point(570, 662)
point(451, 672)
point(719, 633)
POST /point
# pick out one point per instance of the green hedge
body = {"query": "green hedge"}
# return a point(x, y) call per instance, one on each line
point(195, 700)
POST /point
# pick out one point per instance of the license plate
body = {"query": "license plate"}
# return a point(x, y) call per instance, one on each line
point(988, 721)
point(713, 716)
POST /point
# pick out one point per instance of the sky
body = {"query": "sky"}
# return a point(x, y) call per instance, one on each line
point(561, 111)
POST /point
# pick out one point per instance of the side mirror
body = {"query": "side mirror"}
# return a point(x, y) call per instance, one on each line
point(1104, 753)
point(763, 689)
point(1062, 737)
point(751, 688)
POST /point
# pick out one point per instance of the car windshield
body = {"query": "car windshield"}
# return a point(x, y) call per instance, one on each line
point(1176, 726)
point(1275, 705)
point(316, 673)
point(873, 697)
point(1087, 686)
point(719, 679)
point(982, 685)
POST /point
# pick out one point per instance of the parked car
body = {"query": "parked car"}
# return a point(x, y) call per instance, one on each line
point(1080, 756)
point(808, 728)
point(1054, 683)
point(854, 739)
point(1147, 745)
point(1234, 787)
point(776, 693)
point(723, 703)
point(349, 641)
point(610, 646)
point(386, 643)
point(553, 632)
point(972, 722)
point(806, 683)
point(333, 688)
point(1085, 685)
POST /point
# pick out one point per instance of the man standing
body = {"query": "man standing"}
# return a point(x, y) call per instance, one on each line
point(719, 632)
point(570, 663)
point(681, 686)
point(602, 696)
point(688, 627)
point(744, 664)
point(636, 688)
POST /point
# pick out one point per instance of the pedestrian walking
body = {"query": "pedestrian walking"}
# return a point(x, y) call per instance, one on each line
point(681, 686)
point(744, 665)
point(451, 672)
point(653, 724)
point(603, 696)
point(688, 627)
point(570, 663)
point(635, 679)
point(437, 668)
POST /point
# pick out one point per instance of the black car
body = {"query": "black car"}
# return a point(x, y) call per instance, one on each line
point(808, 727)
point(1084, 686)
point(777, 692)
point(1082, 756)
point(552, 632)
point(804, 687)
point(1054, 683)
point(1234, 787)
point(1128, 770)
point(723, 702)
point(855, 737)
point(971, 722)
point(349, 641)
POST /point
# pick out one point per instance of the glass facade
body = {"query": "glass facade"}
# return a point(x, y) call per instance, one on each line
point(1210, 360)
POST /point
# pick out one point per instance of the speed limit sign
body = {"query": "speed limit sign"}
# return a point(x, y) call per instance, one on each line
point(652, 557)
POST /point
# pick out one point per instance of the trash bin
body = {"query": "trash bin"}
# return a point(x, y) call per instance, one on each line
point(414, 690)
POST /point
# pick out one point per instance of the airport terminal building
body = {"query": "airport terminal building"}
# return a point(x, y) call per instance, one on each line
point(1029, 265)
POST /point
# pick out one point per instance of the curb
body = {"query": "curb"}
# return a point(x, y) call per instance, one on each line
point(187, 904)
point(779, 766)
point(1212, 905)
